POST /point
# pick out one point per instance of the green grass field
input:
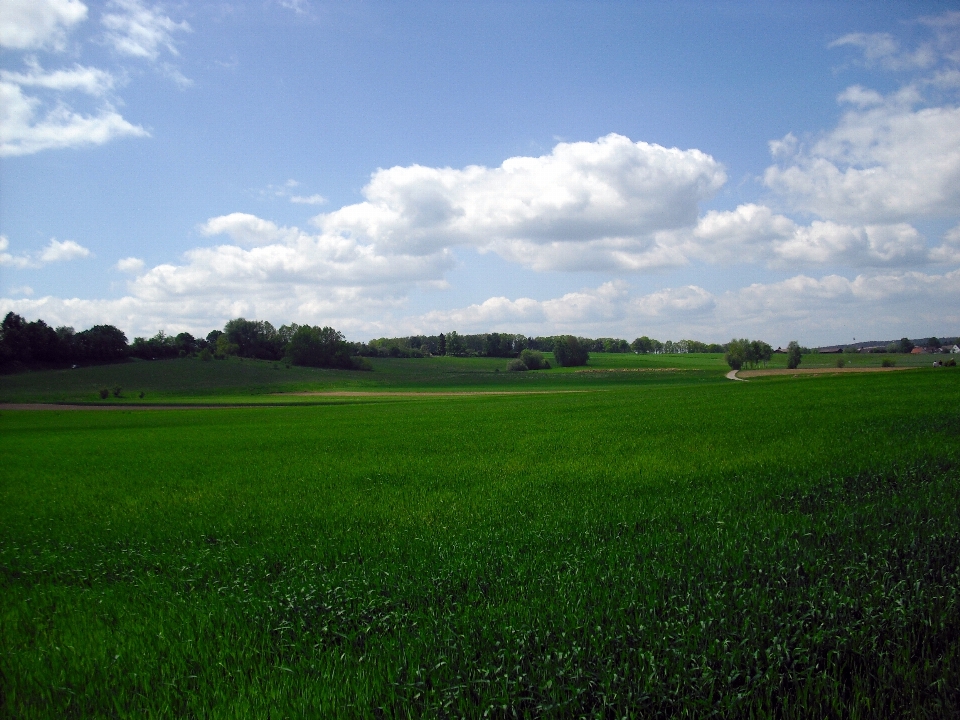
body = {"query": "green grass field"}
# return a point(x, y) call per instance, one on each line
point(664, 544)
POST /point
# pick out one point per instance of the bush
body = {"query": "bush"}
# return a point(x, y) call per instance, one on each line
point(359, 363)
point(534, 360)
point(206, 355)
point(117, 390)
point(888, 362)
point(569, 352)
point(516, 365)
point(104, 393)
point(793, 355)
point(841, 362)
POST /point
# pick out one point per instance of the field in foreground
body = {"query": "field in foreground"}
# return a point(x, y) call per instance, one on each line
point(671, 547)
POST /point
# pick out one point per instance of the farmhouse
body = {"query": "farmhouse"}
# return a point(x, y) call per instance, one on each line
point(834, 350)
point(954, 350)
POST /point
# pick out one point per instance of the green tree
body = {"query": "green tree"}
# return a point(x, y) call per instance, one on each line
point(793, 355)
point(318, 347)
point(905, 345)
point(442, 345)
point(736, 354)
point(569, 352)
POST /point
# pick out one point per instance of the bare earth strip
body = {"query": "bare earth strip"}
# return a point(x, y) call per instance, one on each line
point(425, 393)
point(741, 374)
point(64, 406)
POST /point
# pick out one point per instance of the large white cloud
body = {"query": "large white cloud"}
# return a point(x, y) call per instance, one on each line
point(599, 203)
point(35, 24)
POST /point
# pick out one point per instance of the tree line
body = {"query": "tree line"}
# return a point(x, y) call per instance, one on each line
point(35, 343)
point(508, 345)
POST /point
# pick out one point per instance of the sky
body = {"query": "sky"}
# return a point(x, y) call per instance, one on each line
point(684, 170)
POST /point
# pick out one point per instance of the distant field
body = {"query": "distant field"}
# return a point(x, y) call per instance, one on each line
point(668, 544)
point(258, 381)
point(255, 381)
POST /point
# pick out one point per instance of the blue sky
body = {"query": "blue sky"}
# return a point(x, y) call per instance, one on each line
point(682, 170)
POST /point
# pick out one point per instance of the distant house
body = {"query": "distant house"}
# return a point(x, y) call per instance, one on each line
point(831, 350)
point(918, 351)
point(954, 350)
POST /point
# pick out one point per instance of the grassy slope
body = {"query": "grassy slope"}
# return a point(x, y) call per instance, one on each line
point(247, 381)
point(666, 548)
point(254, 381)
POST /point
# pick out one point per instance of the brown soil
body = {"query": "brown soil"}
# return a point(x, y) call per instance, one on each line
point(812, 371)
point(57, 406)
point(422, 393)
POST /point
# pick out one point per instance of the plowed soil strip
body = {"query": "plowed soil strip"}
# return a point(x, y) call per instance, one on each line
point(64, 406)
point(813, 371)
point(424, 393)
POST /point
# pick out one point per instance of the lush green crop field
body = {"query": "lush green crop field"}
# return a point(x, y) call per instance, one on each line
point(664, 544)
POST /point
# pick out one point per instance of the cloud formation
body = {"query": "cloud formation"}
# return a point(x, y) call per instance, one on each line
point(886, 162)
point(140, 31)
point(39, 24)
point(55, 251)
point(596, 202)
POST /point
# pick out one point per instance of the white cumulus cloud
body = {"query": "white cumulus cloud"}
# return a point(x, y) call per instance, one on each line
point(595, 203)
point(36, 24)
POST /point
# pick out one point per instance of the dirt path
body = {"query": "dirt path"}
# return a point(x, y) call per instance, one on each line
point(57, 406)
point(732, 375)
point(422, 393)
point(742, 374)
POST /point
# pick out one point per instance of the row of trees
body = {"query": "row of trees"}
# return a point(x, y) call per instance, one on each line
point(31, 343)
point(37, 342)
point(508, 345)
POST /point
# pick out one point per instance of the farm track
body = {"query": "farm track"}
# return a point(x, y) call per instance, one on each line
point(425, 393)
point(743, 374)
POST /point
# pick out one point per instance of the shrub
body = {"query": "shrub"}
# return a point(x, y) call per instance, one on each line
point(206, 355)
point(841, 362)
point(117, 390)
point(888, 362)
point(516, 365)
point(359, 363)
point(104, 393)
point(534, 360)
